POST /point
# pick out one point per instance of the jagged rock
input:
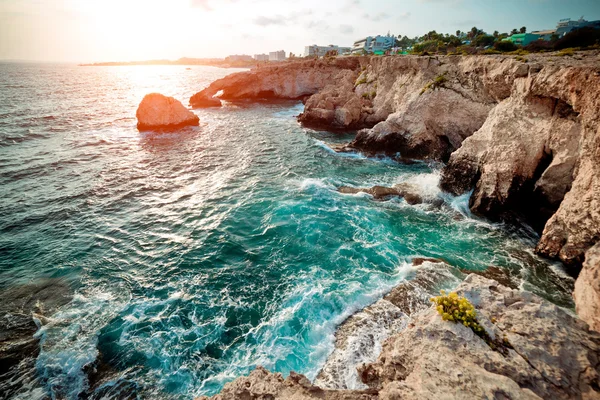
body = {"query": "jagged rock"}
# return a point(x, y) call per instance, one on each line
point(549, 353)
point(164, 113)
point(262, 384)
point(404, 190)
point(359, 338)
point(537, 153)
point(587, 289)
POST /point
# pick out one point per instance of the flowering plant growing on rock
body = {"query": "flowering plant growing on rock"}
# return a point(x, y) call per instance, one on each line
point(453, 307)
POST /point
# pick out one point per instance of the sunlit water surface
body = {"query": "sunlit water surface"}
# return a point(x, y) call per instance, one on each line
point(195, 256)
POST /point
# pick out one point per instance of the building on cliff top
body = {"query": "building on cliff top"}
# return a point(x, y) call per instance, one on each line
point(321, 51)
point(277, 55)
point(239, 57)
point(261, 57)
point(374, 44)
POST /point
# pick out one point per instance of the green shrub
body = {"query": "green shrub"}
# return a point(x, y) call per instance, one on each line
point(567, 52)
point(505, 46)
point(455, 308)
point(491, 51)
point(519, 52)
point(522, 59)
point(361, 81)
point(438, 82)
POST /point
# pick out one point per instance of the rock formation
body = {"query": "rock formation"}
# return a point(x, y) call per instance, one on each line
point(587, 289)
point(404, 190)
point(545, 352)
point(524, 136)
point(158, 112)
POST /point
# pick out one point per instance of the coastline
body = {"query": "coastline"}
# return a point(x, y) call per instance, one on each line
point(486, 113)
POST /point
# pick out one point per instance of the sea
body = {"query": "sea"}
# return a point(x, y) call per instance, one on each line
point(193, 256)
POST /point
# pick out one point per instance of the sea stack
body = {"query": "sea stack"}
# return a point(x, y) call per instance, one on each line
point(159, 112)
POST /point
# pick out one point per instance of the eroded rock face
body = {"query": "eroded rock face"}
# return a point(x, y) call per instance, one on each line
point(538, 153)
point(553, 354)
point(163, 113)
point(587, 289)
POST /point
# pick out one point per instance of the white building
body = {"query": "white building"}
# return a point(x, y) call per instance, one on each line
point(320, 51)
point(374, 44)
point(277, 55)
point(261, 57)
point(239, 57)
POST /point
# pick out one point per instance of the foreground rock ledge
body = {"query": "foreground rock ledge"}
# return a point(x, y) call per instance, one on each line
point(549, 354)
point(159, 112)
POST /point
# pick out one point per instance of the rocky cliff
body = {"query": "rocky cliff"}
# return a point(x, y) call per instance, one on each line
point(545, 352)
point(522, 133)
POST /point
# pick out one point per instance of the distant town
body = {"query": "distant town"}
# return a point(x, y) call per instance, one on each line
point(567, 34)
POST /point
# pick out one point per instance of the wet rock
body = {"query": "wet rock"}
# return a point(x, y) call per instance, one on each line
point(163, 113)
point(587, 289)
point(420, 260)
point(409, 192)
point(20, 307)
point(434, 359)
point(404, 190)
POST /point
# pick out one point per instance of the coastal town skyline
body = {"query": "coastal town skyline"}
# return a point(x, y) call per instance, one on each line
point(70, 31)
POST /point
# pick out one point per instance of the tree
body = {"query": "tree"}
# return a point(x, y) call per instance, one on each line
point(484, 40)
point(523, 30)
point(458, 33)
point(496, 34)
point(514, 32)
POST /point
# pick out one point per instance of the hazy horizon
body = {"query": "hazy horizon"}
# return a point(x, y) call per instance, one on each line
point(134, 30)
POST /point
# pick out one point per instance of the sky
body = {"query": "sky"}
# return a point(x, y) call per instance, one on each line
point(129, 30)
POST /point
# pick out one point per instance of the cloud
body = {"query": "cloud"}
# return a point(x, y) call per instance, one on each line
point(267, 21)
point(377, 17)
point(346, 29)
point(280, 20)
point(404, 16)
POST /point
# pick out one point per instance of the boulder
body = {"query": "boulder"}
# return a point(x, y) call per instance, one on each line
point(407, 191)
point(159, 112)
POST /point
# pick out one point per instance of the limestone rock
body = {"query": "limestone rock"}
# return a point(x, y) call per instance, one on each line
point(164, 113)
point(261, 384)
point(359, 338)
point(587, 289)
point(537, 153)
point(550, 354)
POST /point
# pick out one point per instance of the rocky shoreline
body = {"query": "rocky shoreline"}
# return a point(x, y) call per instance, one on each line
point(522, 134)
point(396, 349)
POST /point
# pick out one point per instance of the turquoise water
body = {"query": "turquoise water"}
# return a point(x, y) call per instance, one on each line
point(195, 256)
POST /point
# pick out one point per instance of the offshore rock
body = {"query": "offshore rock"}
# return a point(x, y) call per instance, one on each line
point(549, 353)
point(587, 289)
point(157, 111)
point(407, 191)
